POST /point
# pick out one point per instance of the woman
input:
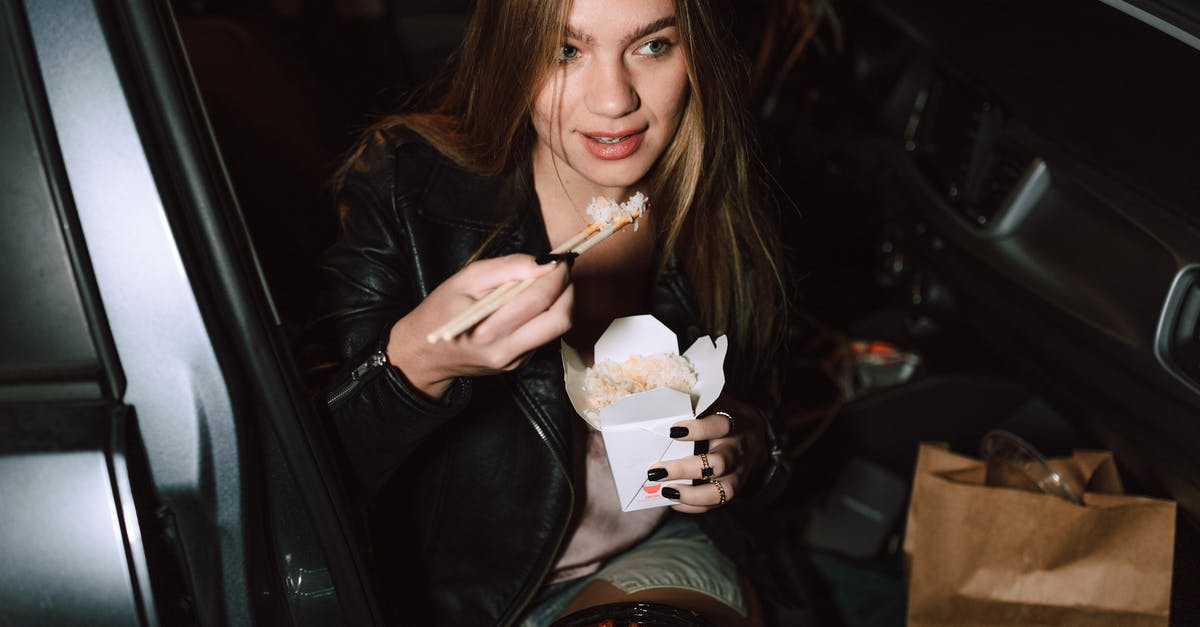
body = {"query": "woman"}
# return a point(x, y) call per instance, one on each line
point(495, 489)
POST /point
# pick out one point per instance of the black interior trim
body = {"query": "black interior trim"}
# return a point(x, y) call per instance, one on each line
point(1092, 78)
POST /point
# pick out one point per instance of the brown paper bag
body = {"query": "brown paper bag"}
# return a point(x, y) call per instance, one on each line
point(980, 555)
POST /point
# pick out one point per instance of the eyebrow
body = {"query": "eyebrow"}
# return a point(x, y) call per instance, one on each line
point(652, 27)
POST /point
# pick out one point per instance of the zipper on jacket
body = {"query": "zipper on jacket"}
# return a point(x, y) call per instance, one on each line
point(377, 359)
point(562, 532)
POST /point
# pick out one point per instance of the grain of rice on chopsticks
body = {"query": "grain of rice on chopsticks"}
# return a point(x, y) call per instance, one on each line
point(608, 210)
point(610, 217)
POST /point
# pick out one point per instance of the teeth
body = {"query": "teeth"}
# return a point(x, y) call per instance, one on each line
point(609, 140)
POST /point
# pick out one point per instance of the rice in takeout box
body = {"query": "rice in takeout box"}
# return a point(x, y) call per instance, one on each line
point(607, 380)
point(639, 387)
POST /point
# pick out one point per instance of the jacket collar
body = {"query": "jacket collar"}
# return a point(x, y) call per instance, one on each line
point(504, 207)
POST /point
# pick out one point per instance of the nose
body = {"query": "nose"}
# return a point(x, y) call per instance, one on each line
point(611, 91)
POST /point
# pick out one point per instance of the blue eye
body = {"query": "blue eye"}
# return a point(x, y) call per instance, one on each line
point(567, 52)
point(655, 47)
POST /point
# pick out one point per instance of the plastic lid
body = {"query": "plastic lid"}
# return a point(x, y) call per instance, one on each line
point(1015, 463)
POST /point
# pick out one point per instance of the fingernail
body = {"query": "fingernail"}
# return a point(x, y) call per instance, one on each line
point(700, 447)
point(678, 432)
point(671, 493)
point(699, 481)
point(655, 474)
point(555, 258)
point(706, 472)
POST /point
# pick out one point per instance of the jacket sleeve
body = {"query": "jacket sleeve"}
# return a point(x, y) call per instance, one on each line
point(369, 279)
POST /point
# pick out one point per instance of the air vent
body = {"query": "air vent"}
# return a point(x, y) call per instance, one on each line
point(954, 142)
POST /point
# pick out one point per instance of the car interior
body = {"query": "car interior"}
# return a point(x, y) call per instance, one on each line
point(1000, 196)
point(993, 187)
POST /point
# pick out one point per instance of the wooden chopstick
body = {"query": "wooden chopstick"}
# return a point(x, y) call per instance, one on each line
point(471, 315)
point(579, 243)
point(601, 235)
point(479, 310)
point(576, 238)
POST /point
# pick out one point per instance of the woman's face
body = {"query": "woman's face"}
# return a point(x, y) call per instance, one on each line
point(611, 107)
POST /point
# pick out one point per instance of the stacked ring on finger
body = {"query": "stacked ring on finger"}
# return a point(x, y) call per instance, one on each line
point(720, 489)
point(705, 469)
point(728, 417)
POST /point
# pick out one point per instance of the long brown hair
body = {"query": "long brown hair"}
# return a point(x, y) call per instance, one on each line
point(707, 189)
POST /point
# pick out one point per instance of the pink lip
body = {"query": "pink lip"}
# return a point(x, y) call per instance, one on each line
point(611, 152)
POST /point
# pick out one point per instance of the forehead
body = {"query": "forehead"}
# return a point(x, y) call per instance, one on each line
point(618, 21)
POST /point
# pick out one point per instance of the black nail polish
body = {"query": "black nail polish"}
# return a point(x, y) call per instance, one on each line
point(706, 472)
point(671, 493)
point(700, 447)
point(699, 481)
point(679, 432)
point(542, 260)
point(656, 474)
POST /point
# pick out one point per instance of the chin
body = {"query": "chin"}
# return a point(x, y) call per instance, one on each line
point(616, 181)
point(616, 175)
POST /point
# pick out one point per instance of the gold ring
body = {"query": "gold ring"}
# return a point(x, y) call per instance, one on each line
point(721, 489)
point(706, 471)
point(727, 417)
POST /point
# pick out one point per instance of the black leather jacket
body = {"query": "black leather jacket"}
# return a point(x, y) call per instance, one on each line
point(479, 483)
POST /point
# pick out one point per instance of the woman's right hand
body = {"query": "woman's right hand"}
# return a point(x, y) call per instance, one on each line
point(501, 342)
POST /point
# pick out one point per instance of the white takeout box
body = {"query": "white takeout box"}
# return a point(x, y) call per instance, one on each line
point(636, 428)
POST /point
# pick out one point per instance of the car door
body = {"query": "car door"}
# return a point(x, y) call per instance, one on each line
point(161, 463)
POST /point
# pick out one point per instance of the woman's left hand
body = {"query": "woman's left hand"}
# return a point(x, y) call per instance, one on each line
point(737, 451)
